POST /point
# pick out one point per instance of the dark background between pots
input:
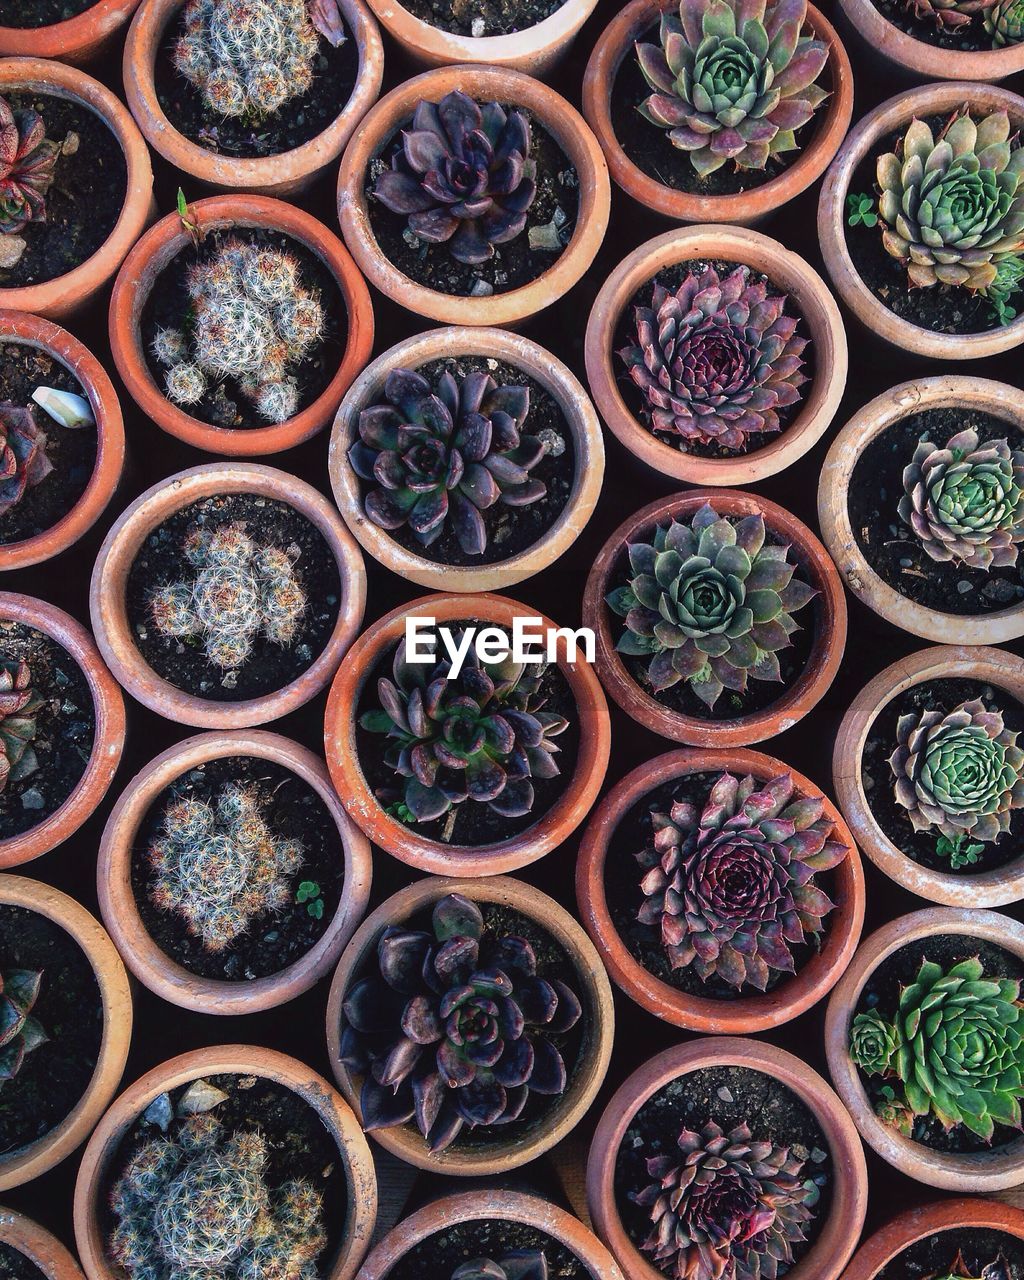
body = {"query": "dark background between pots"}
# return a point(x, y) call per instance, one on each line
point(162, 1030)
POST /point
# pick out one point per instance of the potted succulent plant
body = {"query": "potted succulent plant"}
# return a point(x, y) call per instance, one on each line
point(921, 504)
point(719, 618)
point(716, 355)
point(67, 1024)
point(539, 211)
point(226, 595)
point(516, 457)
point(79, 186)
point(73, 32)
point(470, 1024)
point(937, 1096)
point(965, 1239)
point(271, 1140)
point(764, 1130)
point(476, 774)
point(24, 1242)
point(238, 322)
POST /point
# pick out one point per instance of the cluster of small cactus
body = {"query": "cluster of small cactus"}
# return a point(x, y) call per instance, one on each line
point(27, 163)
point(240, 591)
point(20, 1032)
point(19, 703)
point(23, 460)
point(522, 1264)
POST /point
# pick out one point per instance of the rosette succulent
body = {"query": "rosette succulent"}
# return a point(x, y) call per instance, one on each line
point(523, 1264)
point(733, 79)
point(442, 455)
point(873, 1042)
point(716, 359)
point(19, 703)
point(710, 602)
point(1004, 22)
point(947, 15)
point(27, 163)
point(20, 1032)
point(23, 460)
point(454, 1027)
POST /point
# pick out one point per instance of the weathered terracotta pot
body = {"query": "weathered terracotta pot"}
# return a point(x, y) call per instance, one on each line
point(98, 1161)
point(159, 247)
point(753, 1011)
point(539, 364)
point(38, 1245)
point(496, 1154)
point(68, 293)
point(867, 424)
point(402, 842)
point(862, 142)
point(630, 25)
point(842, 1228)
point(117, 555)
point(493, 1205)
point(26, 1163)
point(119, 906)
point(285, 174)
point(929, 1220)
point(787, 273)
point(826, 613)
point(108, 737)
point(486, 84)
point(77, 39)
point(983, 1171)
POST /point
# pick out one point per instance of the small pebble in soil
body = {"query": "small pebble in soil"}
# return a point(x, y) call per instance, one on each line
point(32, 799)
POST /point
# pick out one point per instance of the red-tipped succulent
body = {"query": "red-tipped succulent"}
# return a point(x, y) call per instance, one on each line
point(27, 163)
point(20, 1033)
point(19, 703)
point(23, 460)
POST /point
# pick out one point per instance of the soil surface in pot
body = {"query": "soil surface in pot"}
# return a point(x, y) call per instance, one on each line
point(881, 992)
point(168, 306)
point(935, 1254)
point(491, 1238)
point(41, 13)
point(515, 263)
point(878, 780)
point(88, 193)
point(892, 548)
point(625, 336)
point(53, 1076)
point(161, 560)
point(482, 17)
point(293, 811)
point(65, 730)
point(15, 1266)
point(971, 38)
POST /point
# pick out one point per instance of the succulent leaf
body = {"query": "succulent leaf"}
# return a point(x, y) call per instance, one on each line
point(23, 459)
point(27, 163)
point(19, 703)
point(20, 1032)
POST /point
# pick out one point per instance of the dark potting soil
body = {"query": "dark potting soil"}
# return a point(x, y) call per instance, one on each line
point(491, 1238)
point(53, 1076)
point(161, 561)
point(728, 1096)
point(169, 307)
point(893, 549)
point(514, 264)
point(15, 1266)
point(40, 13)
point(85, 200)
point(292, 810)
point(882, 991)
point(935, 1254)
point(65, 729)
point(625, 336)
point(971, 38)
point(482, 17)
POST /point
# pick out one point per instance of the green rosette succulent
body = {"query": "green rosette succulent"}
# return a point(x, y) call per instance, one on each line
point(873, 1042)
point(1004, 22)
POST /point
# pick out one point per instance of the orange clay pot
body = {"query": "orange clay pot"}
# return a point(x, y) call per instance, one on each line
point(930, 1220)
point(77, 39)
point(36, 1244)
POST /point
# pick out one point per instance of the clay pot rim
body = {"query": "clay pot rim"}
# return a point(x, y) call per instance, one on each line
point(228, 1059)
point(158, 248)
point(151, 964)
point(152, 508)
point(39, 1246)
point(786, 271)
point(514, 852)
point(752, 1012)
point(581, 421)
point(565, 125)
point(841, 1230)
point(497, 1155)
point(71, 38)
point(803, 694)
point(983, 1171)
point(83, 928)
point(877, 416)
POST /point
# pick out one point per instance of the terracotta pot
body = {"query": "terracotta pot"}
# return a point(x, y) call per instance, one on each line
point(827, 616)
point(863, 141)
point(285, 174)
point(108, 607)
point(551, 828)
point(580, 419)
point(838, 1238)
point(98, 1162)
point(77, 39)
point(159, 247)
point(28, 1162)
point(498, 1154)
point(486, 84)
point(21, 328)
point(119, 906)
point(108, 737)
point(931, 1219)
point(68, 293)
point(893, 406)
point(982, 1171)
point(36, 1244)
point(788, 273)
point(503, 1206)
point(753, 1011)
